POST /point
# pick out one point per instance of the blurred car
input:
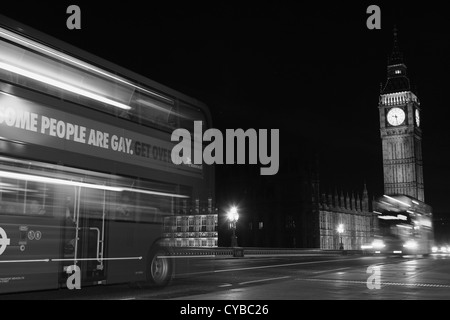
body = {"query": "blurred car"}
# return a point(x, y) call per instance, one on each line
point(442, 249)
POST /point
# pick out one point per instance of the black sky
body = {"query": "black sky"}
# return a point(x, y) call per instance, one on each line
point(312, 71)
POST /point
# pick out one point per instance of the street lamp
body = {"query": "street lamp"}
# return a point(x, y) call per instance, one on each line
point(340, 230)
point(233, 217)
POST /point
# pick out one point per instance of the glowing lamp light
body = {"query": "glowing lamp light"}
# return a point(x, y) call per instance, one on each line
point(233, 217)
point(233, 214)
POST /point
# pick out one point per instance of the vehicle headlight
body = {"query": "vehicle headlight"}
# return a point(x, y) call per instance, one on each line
point(411, 244)
point(434, 249)
point(378, 244)
point(443, 249)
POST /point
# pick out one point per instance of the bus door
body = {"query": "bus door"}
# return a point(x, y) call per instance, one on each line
point(91, 234)
point(84, 234)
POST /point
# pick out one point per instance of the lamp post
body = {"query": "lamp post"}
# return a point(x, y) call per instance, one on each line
point(233, 217)
point(340, 230)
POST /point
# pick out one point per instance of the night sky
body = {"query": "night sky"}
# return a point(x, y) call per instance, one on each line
point(312, 71)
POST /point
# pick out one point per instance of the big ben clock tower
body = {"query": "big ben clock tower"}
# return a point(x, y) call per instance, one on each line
point(401, 133)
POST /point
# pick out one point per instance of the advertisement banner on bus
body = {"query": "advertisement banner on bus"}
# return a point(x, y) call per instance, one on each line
point(25, 121)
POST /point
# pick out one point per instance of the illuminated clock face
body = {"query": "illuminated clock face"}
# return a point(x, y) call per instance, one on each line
point(417, 118)
point(396, 116)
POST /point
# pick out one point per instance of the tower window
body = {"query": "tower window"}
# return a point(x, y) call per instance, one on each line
point(398, 72)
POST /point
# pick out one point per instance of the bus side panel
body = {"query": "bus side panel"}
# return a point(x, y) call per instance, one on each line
point(26, 263)
point(129, 240)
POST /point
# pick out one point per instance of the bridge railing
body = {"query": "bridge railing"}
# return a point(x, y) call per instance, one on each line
point(249, 252)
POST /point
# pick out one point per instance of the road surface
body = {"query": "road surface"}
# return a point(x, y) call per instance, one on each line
point(328, 277)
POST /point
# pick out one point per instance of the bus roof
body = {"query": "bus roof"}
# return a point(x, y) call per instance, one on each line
point(77, 53)
point(401, 202)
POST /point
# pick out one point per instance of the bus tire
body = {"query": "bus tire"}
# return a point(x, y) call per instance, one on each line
point(159, 267)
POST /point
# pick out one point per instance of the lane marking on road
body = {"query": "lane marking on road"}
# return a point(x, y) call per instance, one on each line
point(331, 270)
point(225, 285)
point(271, 266)
point(429, 285)
point(263, 280)
point(284, 265)
point(126, 299)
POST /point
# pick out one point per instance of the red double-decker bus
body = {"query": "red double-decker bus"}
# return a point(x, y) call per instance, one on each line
point(86, 176)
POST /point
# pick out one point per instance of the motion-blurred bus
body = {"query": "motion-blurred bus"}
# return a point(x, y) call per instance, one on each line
point(404, 226)
point(86, 176)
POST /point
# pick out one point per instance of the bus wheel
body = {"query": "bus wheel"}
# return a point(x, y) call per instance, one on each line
point(159, 270)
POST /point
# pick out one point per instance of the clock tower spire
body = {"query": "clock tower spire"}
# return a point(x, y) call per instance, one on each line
point(397, 78)
point(400, 130)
